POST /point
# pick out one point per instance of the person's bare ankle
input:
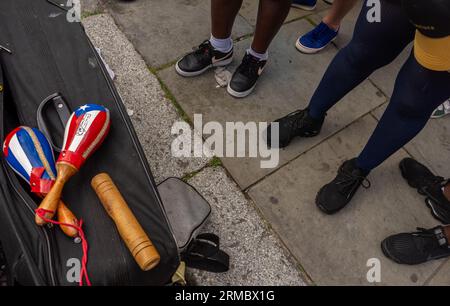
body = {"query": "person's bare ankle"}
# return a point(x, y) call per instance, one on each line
point(332, 25)
point(446, 191)
point(446, 230)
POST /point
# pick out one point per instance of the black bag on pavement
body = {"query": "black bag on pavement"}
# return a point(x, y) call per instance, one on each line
point(42, 54)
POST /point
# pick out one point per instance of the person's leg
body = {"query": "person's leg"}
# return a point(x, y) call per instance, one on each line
point(218, 50)
point(223, 14)
point(447, 232)
point(374, 45)
point(271, 15)
point(418, 91)
point(338, 11)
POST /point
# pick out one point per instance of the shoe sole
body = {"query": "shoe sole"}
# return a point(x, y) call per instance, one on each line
point(237, 94)
point(306, 50)
point(303, 7)
point(197, 73)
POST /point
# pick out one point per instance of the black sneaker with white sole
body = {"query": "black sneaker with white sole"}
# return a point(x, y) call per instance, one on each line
point(202, 59)
point(421, 178)
point(418, 247)
point(244, 78)
point(297, 123)
point(338, 193)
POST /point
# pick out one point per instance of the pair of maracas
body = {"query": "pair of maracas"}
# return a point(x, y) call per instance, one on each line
point(30, 155)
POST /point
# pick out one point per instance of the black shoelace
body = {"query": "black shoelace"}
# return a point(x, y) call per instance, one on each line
point(349, 182)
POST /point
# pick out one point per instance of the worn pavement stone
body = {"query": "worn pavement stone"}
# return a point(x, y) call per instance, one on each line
point(287, 84)
point(441, 277)
point(91, 6)
point(249, 11)
point(257, 257)
point(151, 113)
point(162, 31)
point(334, 250)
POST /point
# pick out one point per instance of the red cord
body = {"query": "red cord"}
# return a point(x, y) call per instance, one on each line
point(84, 244)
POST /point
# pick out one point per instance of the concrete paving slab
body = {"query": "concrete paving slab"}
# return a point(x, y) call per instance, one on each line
point(89, 7)
point(432, 146)
point(151, 113)
point(162, 31)
point(256, 255)
point(249, 11)
point(442, 276)
point(334, 250)
point(287, 84)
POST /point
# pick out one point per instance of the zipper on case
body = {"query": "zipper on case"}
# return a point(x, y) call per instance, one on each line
point(120, 106)
point(25, 199)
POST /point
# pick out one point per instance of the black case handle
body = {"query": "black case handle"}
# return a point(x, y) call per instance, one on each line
point(62, 109)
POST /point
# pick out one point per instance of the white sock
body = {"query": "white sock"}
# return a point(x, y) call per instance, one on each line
point(222, 45)
point(260, 56)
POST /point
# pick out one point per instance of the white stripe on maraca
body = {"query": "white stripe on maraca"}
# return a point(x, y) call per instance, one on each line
point(22, 158)
point(78, 138)
point(99, 136)
point(66, 132)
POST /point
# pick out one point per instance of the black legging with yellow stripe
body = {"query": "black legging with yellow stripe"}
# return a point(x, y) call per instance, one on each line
point(418, 90)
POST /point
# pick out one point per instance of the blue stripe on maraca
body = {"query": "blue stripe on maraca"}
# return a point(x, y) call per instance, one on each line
point(29, 148)
point(48, 152)
point(16, 165)
point(88, 107)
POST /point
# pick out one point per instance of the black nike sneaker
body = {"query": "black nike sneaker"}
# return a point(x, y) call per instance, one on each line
point(202, 59)
point(297, 123)
point(416, 248)
point(337, 194)
point(420, 177)
point(244, 78)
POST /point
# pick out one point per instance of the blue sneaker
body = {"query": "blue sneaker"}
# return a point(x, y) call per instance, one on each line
point(316, 39)
point(307, 5)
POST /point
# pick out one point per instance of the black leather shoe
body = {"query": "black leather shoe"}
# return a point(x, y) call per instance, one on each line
point(297, 123)
point(202, 59)
point(245, 77)
point(338, 193)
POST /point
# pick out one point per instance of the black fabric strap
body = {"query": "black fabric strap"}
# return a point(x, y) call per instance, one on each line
point(204, 253)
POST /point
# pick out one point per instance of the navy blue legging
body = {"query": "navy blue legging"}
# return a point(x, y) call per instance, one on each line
point(418, 91)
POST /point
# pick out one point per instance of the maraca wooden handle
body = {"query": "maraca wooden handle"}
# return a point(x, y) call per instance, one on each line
point(51, 200)
point(66, 216)
point(128, 226)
